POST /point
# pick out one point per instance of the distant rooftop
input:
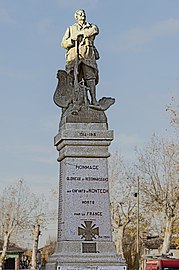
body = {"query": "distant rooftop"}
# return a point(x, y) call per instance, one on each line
point(12, 247)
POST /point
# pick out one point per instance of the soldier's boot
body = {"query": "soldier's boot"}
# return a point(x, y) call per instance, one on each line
point(92, 88)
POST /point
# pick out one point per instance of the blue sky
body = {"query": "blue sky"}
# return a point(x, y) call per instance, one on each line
point(139, 66)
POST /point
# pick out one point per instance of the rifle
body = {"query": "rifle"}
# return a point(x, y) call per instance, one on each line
point(76, 85)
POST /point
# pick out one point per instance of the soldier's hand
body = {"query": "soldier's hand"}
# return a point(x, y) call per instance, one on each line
point(77, 36)
point(80, 37)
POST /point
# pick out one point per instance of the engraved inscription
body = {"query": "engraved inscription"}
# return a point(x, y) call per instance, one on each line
point(90, 134)
point(90, 190)
point(87, 167)
point(94, 214)
point(75, 178)
point(89, 214)
point(89, 247)
point(87, 202)
point(86, 192)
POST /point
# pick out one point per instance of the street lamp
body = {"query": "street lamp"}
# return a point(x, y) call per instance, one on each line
point(136, 194)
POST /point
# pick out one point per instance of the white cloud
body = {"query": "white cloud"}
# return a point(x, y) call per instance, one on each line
point(135, 38)
point(5, 17)
point(166, 28)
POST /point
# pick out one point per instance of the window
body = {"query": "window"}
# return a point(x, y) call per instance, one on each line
point(170, 268)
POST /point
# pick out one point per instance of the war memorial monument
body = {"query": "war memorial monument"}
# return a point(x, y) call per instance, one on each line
point(84, 238)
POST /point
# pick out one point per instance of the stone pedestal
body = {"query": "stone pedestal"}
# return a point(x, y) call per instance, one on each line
point(84, 238)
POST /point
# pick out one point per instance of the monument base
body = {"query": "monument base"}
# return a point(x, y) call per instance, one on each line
point(84, 240)
point(67, 257)
point(54, 266)
point(95, 261)
point(89, 267)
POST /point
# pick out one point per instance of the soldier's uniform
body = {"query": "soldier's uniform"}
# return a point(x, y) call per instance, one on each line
point(88, 54)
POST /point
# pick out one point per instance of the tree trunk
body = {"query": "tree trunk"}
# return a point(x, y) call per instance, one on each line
point(4, 250)
point(35, 246)
point(118, 240)
point(167, 236)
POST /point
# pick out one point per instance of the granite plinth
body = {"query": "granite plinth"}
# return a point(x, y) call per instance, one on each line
point(84, 238)
point(85, 115)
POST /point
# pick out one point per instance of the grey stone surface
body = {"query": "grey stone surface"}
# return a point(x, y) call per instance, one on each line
point(83, 140)
point(92, 268)
point(79, 110)
point(84, 224)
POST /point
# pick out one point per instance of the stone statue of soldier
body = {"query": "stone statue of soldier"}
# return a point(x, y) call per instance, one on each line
point(81, 53)
point(80, 76)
